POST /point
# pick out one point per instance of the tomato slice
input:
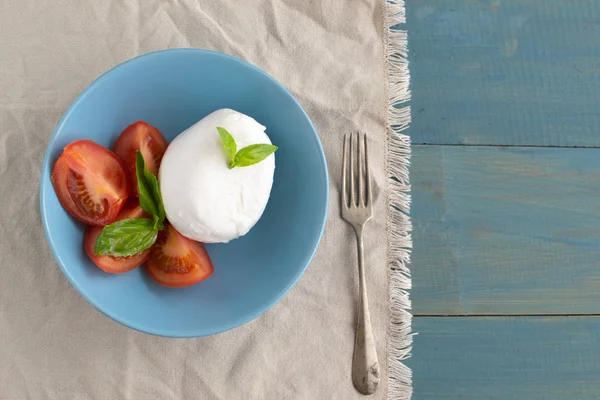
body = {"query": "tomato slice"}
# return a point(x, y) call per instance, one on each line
point(90, 182)
point(116, 265)
point(146, 138)
point(176, 261)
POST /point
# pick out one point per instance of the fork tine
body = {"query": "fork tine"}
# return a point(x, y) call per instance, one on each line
point(361, 200)
point(367, 173)
point(344, 174)
point(352, 177)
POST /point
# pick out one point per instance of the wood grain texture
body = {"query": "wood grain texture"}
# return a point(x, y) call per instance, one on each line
point(506, 358)
point(505, 230)
point(505, 72)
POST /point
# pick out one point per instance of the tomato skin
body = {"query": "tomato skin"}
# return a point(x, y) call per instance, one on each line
point(90, 182)
point(116, 265)
point(176, 261)
point(143, 137)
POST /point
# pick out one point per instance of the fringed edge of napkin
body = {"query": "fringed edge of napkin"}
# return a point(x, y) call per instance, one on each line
point(399, 225)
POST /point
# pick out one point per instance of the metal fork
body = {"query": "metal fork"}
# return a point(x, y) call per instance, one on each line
point(357, 209)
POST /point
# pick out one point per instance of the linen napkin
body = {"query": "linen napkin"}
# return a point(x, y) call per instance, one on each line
point(332, 56)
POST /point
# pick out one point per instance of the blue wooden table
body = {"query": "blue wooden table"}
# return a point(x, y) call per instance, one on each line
point(506, 198)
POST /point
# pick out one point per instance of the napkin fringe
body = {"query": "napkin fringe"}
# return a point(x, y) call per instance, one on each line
point(399, 224)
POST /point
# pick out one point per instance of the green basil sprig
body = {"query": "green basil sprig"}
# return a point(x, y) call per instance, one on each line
point(133, 235)
point(247, 156)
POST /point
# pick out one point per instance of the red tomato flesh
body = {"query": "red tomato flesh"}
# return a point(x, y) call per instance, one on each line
point(90, 182)
point(146, 138)
point(176, 261)
point(116, 265)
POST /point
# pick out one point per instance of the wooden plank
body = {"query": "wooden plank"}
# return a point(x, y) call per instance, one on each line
point(505, 358)
point(508, 72)
point(505, 230)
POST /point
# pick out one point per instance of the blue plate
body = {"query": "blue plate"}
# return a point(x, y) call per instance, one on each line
point(172, 90)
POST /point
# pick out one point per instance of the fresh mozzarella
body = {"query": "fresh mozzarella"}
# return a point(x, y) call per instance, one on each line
point(204, 199)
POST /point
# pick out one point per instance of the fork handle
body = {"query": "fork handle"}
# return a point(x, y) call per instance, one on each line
point(365, 366)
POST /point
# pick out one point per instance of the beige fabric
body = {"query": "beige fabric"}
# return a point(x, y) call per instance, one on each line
point(53, 345)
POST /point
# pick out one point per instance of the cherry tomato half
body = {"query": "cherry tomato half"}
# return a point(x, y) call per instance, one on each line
point(90, 182)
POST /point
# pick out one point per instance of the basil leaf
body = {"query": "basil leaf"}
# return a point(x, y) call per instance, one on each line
point(253, 154)
point(146, 197)
point(158, 225)
point(154, 190)
point(150, 197)
point(126, 237)
point(229, 145)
